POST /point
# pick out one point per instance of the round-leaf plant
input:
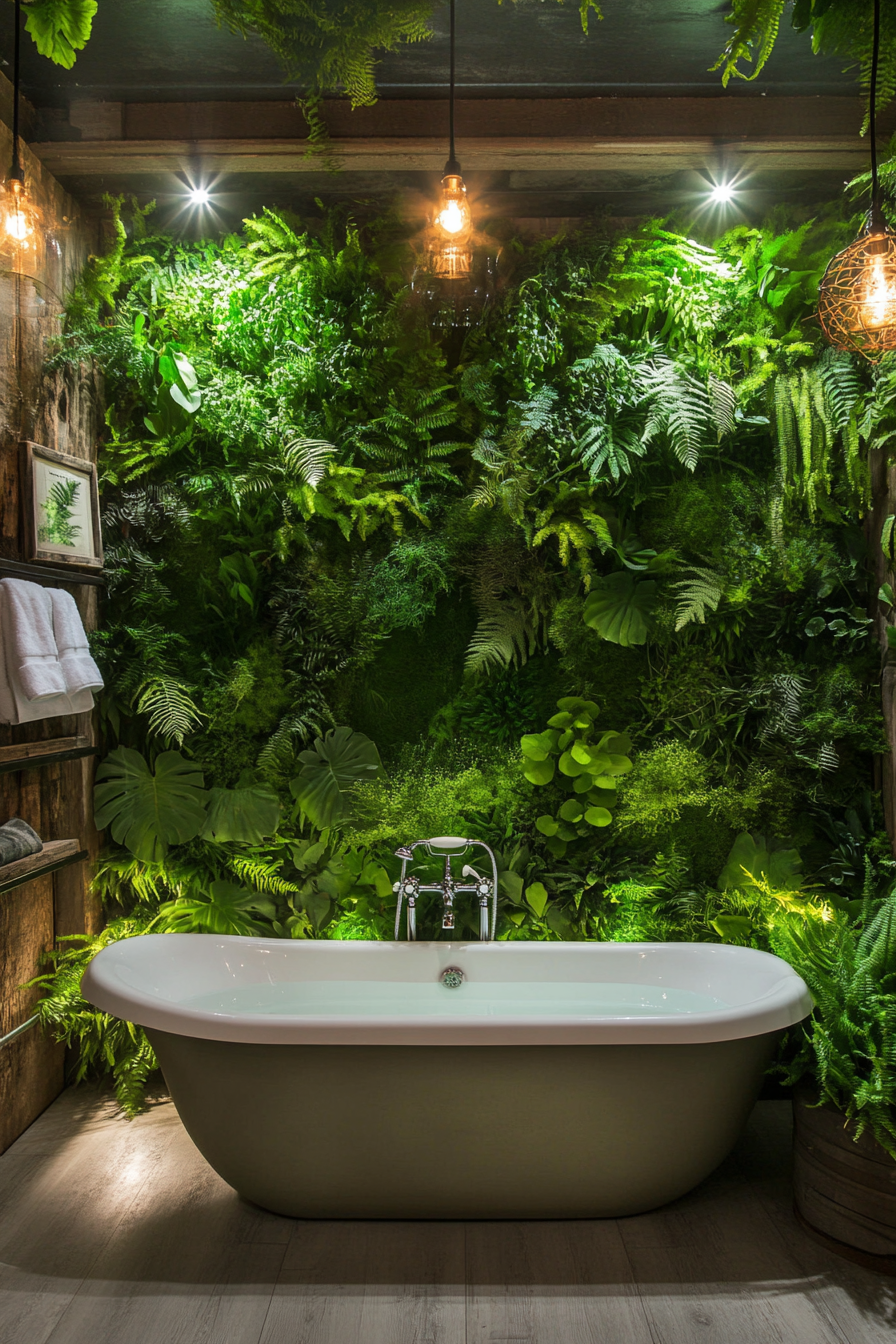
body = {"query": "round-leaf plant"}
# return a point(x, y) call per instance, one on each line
point(567, 755)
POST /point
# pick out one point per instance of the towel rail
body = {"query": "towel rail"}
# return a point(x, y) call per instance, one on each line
point(21, 569)
point(17, 1031)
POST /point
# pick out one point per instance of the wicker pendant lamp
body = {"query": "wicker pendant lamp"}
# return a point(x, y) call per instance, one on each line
point(857, 294)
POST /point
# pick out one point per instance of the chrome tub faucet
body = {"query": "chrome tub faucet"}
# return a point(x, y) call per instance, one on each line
point(449, 847)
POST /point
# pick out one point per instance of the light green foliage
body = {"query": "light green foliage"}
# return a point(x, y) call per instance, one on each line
point(753, 858)
point(58, 507)
point(104, 1043)
point(839, 28)
point(422, 798)
point(847, 1049)
point(573, 757)
point(60, 28)
point(337, 762)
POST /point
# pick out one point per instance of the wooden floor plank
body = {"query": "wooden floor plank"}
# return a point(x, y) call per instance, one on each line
point(119, 1233)
point(376, 1283)
point(711, 1267)
point(539, 1283)
point(860, 1303)
point(60, 1211)
point(176, 1269)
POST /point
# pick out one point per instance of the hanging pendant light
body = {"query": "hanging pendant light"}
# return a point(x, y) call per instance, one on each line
point(857, 294)
point(20, 218)
point(452, 255)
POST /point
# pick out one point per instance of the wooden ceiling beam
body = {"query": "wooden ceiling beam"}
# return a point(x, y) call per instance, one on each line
point(637, 157)
point(728, 117)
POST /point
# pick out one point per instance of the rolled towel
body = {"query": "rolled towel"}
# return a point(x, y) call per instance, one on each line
point(31, 656)
point(78, 668)
point(15, 707)
point(18, 840)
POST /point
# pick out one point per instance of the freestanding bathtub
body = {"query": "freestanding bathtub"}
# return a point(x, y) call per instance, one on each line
point(560, 1080)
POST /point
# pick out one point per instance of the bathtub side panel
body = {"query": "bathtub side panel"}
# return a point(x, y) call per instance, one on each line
point(462, 1132)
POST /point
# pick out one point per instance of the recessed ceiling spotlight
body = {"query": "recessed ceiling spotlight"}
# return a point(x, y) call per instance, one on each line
point(722, 193)
point(199, 196)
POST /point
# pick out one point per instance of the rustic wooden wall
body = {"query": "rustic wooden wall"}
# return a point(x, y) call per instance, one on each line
point(63, 411)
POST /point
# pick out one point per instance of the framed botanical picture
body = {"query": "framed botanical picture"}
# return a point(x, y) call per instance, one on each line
point(62, 513)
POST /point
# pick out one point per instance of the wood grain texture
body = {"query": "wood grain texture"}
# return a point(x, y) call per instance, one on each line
point(35, 753)
point(477, 118)
point(64, 410)
point(118, 1233)
point(34, 865)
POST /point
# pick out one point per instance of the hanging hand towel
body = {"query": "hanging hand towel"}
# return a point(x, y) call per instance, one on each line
point(78, 668)
point(15, 707)
point(18, 840)
point(30, 646)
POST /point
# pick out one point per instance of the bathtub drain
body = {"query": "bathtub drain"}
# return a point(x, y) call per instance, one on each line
point(452, 977)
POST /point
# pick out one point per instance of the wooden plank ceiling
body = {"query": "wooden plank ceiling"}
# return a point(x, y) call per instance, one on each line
point(522, 157)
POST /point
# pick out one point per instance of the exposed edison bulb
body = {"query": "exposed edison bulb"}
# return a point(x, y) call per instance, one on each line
point(19, 216)
point(454, 217)
point(879, 298)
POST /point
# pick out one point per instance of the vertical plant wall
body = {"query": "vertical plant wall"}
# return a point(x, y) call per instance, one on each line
point(597, 592)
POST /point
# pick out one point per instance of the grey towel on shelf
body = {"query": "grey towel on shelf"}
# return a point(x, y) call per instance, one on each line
point(18, 840)
point(78, 668)
point(31, 654)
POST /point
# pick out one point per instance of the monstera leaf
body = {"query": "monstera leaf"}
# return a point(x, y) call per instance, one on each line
point(60, 28)
point(753, 857)
point(148, 811)
point(247, 813)
point(620, 609)
point(227, 908)
point(339, 759)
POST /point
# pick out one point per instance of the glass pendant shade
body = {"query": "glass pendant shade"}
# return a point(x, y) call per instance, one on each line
point(21, 234)
point(857, 295)
point(451, 256)
point(454, 217)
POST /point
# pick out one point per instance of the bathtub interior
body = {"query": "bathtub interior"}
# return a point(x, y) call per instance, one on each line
point(207, 980)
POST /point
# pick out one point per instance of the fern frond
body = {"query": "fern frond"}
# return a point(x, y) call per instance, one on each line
point(173, 715)
point(697, 595)
point(308, 458)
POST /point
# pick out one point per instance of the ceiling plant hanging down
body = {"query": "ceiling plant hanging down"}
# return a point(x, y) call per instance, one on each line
point(328, 44)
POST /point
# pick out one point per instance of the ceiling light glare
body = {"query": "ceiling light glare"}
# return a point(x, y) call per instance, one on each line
point(199, 196)
point(722, 193)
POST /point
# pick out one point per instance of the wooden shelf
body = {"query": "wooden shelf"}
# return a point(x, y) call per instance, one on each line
point(35, 571)
point(55, 854)
point(29, 755)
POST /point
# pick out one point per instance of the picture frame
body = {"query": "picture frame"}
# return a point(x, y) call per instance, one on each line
point(61, 507)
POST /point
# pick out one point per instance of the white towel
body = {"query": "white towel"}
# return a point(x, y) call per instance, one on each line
point(15, 707)
point(31, 657)
point(78, 668)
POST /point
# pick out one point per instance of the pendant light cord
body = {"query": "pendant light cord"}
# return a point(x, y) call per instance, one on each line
point(452, 166)
point(16, 170)
point(877, 222)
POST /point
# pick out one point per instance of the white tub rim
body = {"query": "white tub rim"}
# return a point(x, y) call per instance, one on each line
point(112, 983)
